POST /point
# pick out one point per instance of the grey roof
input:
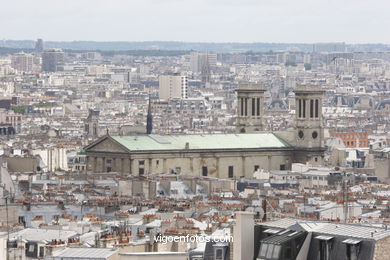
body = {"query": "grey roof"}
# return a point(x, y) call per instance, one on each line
point(37, 234)
point(84, 252)
point(331, 228)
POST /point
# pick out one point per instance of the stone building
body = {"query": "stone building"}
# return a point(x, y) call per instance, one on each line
point(220, 155)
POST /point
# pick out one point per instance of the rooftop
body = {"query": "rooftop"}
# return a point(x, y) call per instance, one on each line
point(206, 141)
point(88, 253)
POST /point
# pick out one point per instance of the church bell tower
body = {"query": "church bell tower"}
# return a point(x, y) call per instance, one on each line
point(309, 132)
point(250, 108)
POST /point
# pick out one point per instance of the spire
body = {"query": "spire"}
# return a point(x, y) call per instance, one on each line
point(149, 119)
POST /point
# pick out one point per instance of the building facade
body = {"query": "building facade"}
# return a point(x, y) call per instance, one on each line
point(172, 86)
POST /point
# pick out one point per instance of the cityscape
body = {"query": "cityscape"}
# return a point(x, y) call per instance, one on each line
point(192, 149)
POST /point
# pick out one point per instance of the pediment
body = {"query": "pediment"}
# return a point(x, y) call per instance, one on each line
point(106, 145)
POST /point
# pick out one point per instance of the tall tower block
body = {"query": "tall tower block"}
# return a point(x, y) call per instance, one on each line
point(250, 108)
point(309, 123)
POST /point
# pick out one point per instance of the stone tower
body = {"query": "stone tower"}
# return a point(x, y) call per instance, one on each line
point(92, 124)
point(309, 130)
point(250, 108)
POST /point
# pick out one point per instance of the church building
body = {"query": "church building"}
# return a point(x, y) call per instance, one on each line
point(220, 155)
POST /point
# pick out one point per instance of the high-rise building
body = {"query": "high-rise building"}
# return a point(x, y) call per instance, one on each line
point(201, 59)
point(173, 86)
point(52, 60)
point(22, 61)
point(39, 46)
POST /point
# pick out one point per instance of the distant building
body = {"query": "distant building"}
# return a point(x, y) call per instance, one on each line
point(173, 86)
point(52, 60)
point(39, 46)
point(353, 139)
point(22, 61)
point(329, 47)
point(200, 60)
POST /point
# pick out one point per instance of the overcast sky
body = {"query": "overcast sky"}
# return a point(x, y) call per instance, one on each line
point(351, 21)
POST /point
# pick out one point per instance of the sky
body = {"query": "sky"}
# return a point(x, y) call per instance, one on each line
point(289, 21)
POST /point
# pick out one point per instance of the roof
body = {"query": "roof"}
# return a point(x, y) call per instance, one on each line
point(331, 229)
point(88, 253)
point(38, 234)
point(206, 141)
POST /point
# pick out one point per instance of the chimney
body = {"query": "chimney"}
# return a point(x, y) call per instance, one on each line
point(187, 145)
point(243, 236)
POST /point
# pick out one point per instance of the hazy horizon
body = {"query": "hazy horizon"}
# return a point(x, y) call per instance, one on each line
point(205, 21)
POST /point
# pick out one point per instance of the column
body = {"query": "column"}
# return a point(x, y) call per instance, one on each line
point(122, 166)
point(131, 165)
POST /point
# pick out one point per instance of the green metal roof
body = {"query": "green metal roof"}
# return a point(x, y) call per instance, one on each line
point(204, 141)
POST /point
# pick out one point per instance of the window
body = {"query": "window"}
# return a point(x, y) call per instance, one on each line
point(352, 250)
point(304, 109)
point(219, 254)
point(204, 171)
point(141, 171)
point(288, 253)
point(276, 253)
point(257, 167)
point(253, 106)
point(230, 172)
point(269, 251)
point(141, 162)
point(41, 251)
point(324, 253)
point(258, 107)
point(263, 250)
point(109, 161)
point(157, 163)
point(246, 106)
point(282, 167)
point(311, 108)
point(109, 169)
point(316, 109)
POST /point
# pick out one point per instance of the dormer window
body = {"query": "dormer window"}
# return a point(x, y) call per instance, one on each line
point(352, 248)
point(325, 246)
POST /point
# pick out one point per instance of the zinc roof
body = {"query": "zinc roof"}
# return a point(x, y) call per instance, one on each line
point(332, 229)
point(203, 141)
point(88, 253)
point(38, 234)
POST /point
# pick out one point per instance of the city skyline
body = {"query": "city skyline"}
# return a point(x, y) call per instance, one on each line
point(198, 21)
